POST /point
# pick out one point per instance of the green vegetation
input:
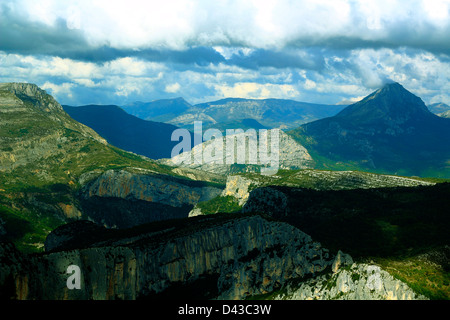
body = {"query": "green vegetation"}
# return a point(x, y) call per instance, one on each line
point(227, 204)
point(334, 180)
point(423, 276)
point(391, 226)
point(28, 229)
point(43, 154)
point(373, 222)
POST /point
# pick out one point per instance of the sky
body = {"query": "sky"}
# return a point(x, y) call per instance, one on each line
point(119, 52)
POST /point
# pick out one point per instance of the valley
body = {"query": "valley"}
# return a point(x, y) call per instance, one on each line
point(357, 208)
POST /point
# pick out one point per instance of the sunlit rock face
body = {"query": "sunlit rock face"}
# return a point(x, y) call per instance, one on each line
point(233, 260)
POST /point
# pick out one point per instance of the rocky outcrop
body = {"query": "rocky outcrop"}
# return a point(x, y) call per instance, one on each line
point(149, 187)
point(123, 199)
point(355, 282)
point(36, 127)
point(291, 155)
point(239, 188)
point(227, 258)
point(340, 260)
point(346, 180)
point(268, 200)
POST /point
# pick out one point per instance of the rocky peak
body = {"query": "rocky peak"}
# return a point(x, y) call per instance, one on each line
point(390, 103)
point(28, 92)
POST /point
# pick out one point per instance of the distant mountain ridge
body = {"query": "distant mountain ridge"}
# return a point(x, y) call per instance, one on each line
point(271, 113)
point(148, 138)
point(159, 110)
point(391, 130)
point(54, 169)
point(439, 107)
point(445, 114)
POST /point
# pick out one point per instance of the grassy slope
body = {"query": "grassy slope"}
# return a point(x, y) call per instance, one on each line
point(391, 227)
point(44, 152)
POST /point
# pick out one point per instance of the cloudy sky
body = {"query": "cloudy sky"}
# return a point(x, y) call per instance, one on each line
point(117, 52)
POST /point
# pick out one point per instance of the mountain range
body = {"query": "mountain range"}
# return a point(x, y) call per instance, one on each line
point(270, 113)
point(438, 108)
point(54, 169)
point(141, 229)
point(162, 110)
point(148, 138)
point(391, 131)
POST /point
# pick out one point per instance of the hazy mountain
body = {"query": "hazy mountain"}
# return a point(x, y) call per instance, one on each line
point(273, 113)
point(391, 130)
point(439, 107)
point(445, 114)
point(149, 138)
point(270, 113)
point(159, 110)
point(243, 124)
point(54, 169)
point(291, 155)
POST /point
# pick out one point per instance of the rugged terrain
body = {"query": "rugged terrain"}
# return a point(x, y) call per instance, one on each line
point(231, 112)
point(246, 154)
point(225, 257)
point(239, 186)
point(352, 282)
point(148, 138)
point(48, 158)
point(123, 219)
point(389, 131)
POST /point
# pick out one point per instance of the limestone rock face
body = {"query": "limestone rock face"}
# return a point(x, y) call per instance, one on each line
point(149, 187)
point(355, 282)
point(122, 199)
point(239, 188)
point(271, 201)
point(291, 155)
point(341, 259)
point(238, 258)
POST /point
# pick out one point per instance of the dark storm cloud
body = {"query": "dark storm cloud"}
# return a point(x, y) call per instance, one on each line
point(200, 56)
point(19, 35)
point(151, 49)
point(276, 59)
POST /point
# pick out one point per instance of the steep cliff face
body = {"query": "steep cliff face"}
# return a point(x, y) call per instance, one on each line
point(355, 282)
point(246, 157)
point(240, 186)
point(224, 258)
point(149, 187)
point(46, 157)
point(362, 222)
point(119, 198)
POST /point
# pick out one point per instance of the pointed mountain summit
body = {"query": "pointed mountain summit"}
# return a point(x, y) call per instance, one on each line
point(390, 103)
point(389, 131)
